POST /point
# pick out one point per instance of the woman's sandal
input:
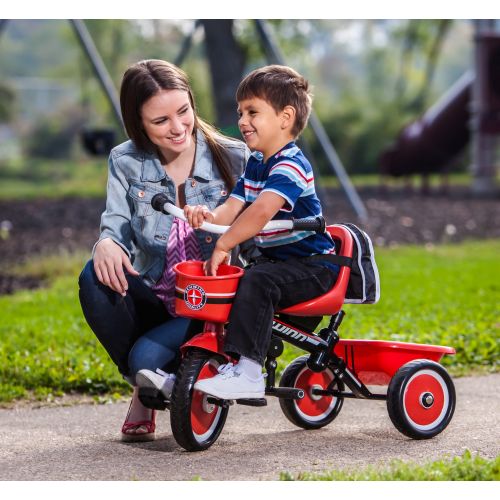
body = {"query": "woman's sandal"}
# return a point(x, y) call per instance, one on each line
point(133, 431)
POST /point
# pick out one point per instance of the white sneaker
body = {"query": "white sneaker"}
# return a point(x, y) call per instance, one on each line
point(229, 383)
point(163, 382)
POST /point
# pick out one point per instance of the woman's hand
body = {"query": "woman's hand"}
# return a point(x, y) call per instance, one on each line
point(109, 261)
point(219, 256)
point(196, 215)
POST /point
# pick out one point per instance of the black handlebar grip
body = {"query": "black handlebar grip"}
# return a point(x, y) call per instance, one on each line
point(317, 224)
point(158, 201)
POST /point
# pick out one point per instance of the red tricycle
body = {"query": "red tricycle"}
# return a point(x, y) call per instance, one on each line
point(420, 394)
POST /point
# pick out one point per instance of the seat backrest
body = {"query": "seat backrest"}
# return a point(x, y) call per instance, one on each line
point(331, 302)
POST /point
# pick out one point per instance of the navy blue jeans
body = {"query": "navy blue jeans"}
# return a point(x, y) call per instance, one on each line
point(136, 330)
point(263, 289)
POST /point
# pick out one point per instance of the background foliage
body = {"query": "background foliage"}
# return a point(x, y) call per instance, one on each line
point(370, 77)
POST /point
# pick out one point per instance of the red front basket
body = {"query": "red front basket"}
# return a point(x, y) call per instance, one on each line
point(207, 298)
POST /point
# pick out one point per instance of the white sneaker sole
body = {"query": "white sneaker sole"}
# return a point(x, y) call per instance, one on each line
point(231, 395)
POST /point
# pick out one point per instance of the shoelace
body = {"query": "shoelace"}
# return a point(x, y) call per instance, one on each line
point(227, 370)
point(165, 374)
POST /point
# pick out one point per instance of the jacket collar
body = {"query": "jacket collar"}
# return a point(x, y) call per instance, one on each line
point(153, 171)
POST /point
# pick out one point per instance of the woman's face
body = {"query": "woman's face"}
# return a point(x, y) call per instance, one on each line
point(168, 120)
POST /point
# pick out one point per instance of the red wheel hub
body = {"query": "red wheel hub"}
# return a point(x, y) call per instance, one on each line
point(314, 407)
point(425, 399)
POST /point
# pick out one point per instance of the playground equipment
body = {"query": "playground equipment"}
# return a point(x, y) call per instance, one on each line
point(427, 144)
point(420, 395)
point(470, 110)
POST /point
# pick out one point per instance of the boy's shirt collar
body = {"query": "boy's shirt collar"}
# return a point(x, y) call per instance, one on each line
point(289, 149)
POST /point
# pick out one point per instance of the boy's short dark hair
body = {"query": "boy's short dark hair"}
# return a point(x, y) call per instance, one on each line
point(280, 86)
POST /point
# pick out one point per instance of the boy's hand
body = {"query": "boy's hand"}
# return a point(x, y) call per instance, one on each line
point(197, 215)
point(219, 256)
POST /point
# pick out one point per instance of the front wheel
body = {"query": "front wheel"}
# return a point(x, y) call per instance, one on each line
point(313, 411)
point(421, 399)
point(196, 423)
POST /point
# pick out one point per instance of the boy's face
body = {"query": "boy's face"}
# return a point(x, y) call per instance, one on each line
point(262, 127)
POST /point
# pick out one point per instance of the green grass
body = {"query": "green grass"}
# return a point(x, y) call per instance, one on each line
point(447, 295)
point(46, 347)
point(467, 467)
point(29, 179)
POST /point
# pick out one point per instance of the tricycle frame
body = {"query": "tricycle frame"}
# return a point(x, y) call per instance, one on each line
point(322, 350)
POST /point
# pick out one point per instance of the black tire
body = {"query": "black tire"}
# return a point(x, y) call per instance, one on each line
point(195, 423)
point(311, 412)
point(421, 399)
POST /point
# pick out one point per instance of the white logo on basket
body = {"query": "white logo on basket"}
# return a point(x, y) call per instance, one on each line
point(195, 297)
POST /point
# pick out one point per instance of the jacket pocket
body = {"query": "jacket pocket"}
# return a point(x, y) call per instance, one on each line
point(215, 194)
point(144, 218)
point(141, 195)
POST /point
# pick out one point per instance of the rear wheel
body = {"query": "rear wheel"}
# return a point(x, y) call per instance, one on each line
point(421, 399)
point(313, 411)
point(196, 423)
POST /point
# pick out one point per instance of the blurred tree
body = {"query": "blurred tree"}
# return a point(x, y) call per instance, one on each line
point(422, 42)
point(7, 102)
point(112, 38)
point(441, 28)
point(54, 136)
point(369, 76)
point(227, 61)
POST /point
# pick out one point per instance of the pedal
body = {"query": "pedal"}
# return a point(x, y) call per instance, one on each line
point(153, 398)
point(252, 402)
point(224, 403)
point(285, 392)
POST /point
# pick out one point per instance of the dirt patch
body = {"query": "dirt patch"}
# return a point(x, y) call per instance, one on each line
point(11, 283)
point(397, 216)
point(47, 226)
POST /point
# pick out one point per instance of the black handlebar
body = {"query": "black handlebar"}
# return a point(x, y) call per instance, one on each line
point(158, 201)
point(317, 224)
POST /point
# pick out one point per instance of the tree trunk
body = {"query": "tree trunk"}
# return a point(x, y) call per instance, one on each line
point(442, 28)
point(227, 61)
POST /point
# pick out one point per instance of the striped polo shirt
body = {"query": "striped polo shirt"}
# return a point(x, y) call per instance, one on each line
point(288, 174)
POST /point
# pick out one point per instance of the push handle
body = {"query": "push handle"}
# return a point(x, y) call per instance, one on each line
point(162, 203)
point(317, 224)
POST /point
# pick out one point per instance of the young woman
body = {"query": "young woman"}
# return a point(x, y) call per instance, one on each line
point(127, 289)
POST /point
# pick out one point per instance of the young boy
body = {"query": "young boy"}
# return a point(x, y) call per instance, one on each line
point(274, 104)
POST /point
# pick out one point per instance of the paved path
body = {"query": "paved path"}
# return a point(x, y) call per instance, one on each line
point(82, 443)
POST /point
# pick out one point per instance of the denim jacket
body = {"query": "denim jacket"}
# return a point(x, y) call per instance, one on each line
point(134, 177)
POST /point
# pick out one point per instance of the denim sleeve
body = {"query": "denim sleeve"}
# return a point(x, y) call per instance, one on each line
point(115, 220)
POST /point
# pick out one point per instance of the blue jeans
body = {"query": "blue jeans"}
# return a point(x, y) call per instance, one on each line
point(136, 330)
